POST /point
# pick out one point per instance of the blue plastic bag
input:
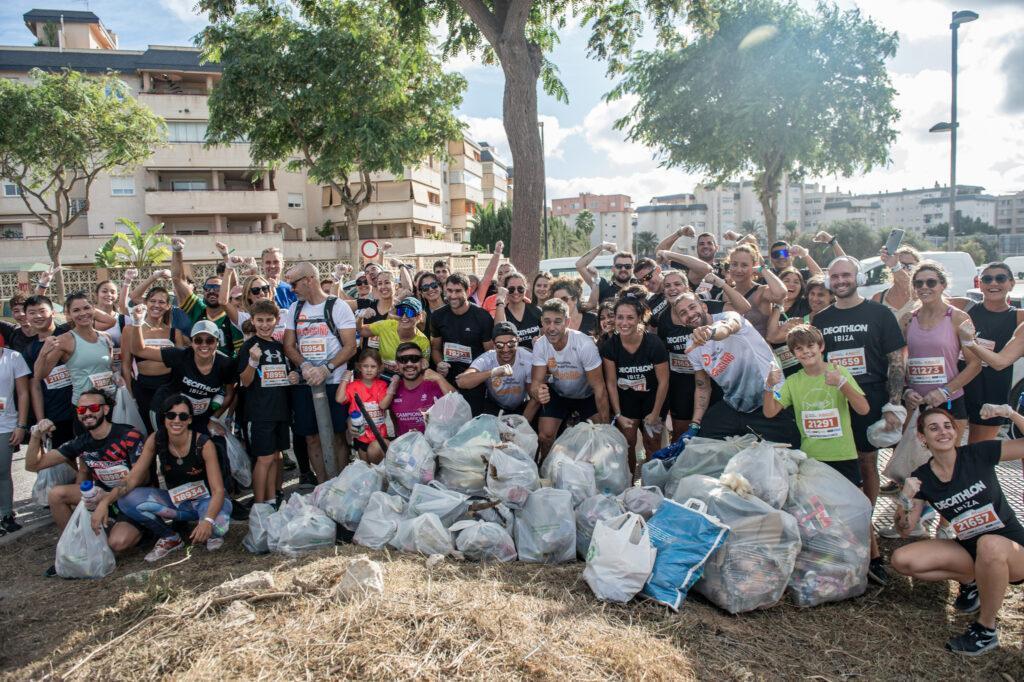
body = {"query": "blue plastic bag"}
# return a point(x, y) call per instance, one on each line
point(685, 537)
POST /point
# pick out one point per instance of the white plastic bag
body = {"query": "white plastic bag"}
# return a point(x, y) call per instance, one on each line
point(126, 411)
point(601, 445)
point(345, 496)
point(766, 469)
point(593, 509)
point(707, 456)
point(620, 558)
point(238, 459)
point(511, 475)
point(462, 460)
point(545, 527)
point(81, 552)
point(483, 541)
point(643, 501)
point(578, 478)
point(380, 520)
point(424, 534)
point(448, 505)
point(46, 479)
point(654, 472)
point(516, 429)
point(908, 454)
point(445, 417)
point(408, 461)
point(306, 528)
point(255, 541)
point(879, 433)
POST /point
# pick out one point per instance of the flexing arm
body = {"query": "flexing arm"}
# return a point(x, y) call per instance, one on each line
point(802, 253)
point(734, 300)
point(694, 266)
point(224, 295)
point(181, 286)
point(54, 351)
point(776, 290)
point(1013, 349)
point(668, 242)
point(139, 292)
point(431, 375)
point(492, 267)
point(35, 459)
point(823, 237)
point(588, 258)
point(136, 341)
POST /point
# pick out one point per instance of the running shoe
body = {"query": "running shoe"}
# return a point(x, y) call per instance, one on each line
point(289, 463)
point(877, 572)
point(239, 510)
point(163, 547)
point(9, 525)
point(307, 481)
point(890, 488)
point(213, 544)
point(893, 533)
point(968, 601)
point(51, 572)
point(974, 642)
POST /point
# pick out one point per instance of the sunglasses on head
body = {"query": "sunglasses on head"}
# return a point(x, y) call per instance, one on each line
point(517, 290)
point(204, 340)
point(405, 311)
point(998, 279)
point(257, 291)
point(83, 409)
point(623, 266)
point(408, 359)
point(429, 286)
point(211, 287)
point(180, 416)
point(931, 283)
point(502, 345)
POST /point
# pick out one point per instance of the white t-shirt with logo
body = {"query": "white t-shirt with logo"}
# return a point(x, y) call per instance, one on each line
point(12, 366)
point(739, 364)
point(567, 368)
point(313, 337)
point(508, 392)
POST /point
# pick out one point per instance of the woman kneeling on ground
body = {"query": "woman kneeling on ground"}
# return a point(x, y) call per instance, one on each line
point(961, 484)
point(195, 494)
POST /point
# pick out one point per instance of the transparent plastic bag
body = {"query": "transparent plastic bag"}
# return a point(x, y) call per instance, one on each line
point(462, 460)
point(500, 514)
point(879, 433)
point(620, 559)
point(643, 501)
point(255, 541)
point(409, 460)
point(305, 528)
point(483, 541)
point(345, 496)
point(238, 459)
point(516, 429)
point(81, 552)
point(707, 456)
point(834, 518)
point(448, 505)
point(588, 513)
point(766, 469)
point(126, 411)
point(46, 479)
point(511, 475)
point(654, 472)
point(578, 478)
point(753, 566)
point(602, 446)
point(445, 417)
point(908, 454)
point(424, 534)
point(380, 520)
point(545, 527)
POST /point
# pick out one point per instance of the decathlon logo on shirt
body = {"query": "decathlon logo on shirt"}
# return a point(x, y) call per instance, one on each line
point(961, 497)
point(844, 332)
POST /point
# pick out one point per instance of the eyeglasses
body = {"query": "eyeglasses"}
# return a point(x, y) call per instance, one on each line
point(94, 408)
point(517, 290)
point(362, 282)
point(180, 416)
point(502, 345)
point(408, 359)
point(299, 279)
point(405, 311)
point(998, 279)
point(781, 253)
point(906, 266)
point(204, 340)
point(930, 283)
point(258, 291)
point(647, 277)
point(427, 287)
point(623, 266)
point(211, 287)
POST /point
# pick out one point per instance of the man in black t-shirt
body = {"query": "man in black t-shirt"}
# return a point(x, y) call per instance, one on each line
point(51, 394)
point(648, 273)
point(459, 332)
point(622, 270)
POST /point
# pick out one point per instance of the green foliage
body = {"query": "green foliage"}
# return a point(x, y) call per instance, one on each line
point(105, 255)
point(774, 90)
point(564, 240)
point(645, 243)
point(965, 227)
point(857, 240)
point(585, 222)
point(490, 226)
point(326, 230)
point(981, 250)
point(138, 249)
point(790, 230)
point(50, 36)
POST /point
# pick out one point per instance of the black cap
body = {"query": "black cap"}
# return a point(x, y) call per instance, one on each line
point(504, 329)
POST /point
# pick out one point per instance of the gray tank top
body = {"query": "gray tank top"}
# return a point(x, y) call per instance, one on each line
point(89, 365)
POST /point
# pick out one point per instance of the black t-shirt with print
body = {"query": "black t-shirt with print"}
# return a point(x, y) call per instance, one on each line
point(635, 371)
point(588, 324)
point(199, 388)
point(462, 336)
point(266, 398)
point(658, 305)
point(528, 328)
point(972, 501)
point(860, 338)
point(110, 458)
point(57, 405)
point(608, 290)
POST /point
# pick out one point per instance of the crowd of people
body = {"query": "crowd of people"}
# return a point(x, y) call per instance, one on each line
point(664, 348)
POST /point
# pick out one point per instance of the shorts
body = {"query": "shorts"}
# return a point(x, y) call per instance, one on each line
point(877, 396)
point(639, 404)
point(723, 420)
point(1011, 534)
point(850, 469)
point(266, 438)
point(491, 407)
point(305, 416)
point(560, 407)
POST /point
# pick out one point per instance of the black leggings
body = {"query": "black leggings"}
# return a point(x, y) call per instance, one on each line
point(145, 388)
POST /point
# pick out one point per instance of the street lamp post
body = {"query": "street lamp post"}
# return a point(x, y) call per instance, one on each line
point(542, 152)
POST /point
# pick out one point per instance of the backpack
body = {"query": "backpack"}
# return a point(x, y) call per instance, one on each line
point(328, 313)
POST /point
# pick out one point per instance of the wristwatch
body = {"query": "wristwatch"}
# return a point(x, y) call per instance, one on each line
point(330, 367)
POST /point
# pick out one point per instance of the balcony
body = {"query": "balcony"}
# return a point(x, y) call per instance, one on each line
point(177, 106)
point(193, 156)
point(391, 212)
point(467, 192)
point(224, 202)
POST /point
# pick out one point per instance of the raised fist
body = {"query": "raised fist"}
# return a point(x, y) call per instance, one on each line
point(502, 295)
point(130, 275)
point(714, 280)
point(255, 353)
point(610, 247)
point(501, 371)
point(911, 487)
point(386, 246)
point(990, 411)
point(731, 236)
point(443, 368)
point(687, 231)
point(163, 274)
point(138, 314)
point(966, 331)
point(222, 249)
point(797, 251)
point(822, 237)
point(499, 247)
point(177, 244)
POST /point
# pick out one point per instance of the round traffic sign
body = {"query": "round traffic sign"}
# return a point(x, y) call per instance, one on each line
point(370, 248)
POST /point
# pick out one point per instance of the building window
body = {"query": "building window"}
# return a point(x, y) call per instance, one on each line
point(188, 185)
point(78, 205)
point(613, 204)
point(11, 231)
point(186, 131)
point(294, 200)
point(434, 198)
point(11, 190)
point(122, 186)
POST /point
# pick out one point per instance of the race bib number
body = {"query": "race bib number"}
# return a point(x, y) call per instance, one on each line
point(785, 357)
point(196, 490)
point(102, 380)
point(199, 405)
point(822, 423)
point(929, 371)
point(975, 522)
point(456, 352)
point(679, 363)
point(850, 358)
point(374, 412)
point(633, 384)
point(313, 348)
point(274, 375)
point(111, 475)
point(373, 342)
point(59, 377)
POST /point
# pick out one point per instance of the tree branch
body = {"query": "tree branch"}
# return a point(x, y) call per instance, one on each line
point(483, 18)
point(516, 18)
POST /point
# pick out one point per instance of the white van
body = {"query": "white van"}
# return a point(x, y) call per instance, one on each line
point(959, 264)
point(566, 267)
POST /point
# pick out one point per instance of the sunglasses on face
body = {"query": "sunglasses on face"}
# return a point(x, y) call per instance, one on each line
point(502, 345)
point(211, 287)
point(405, 311)
point(180, 416)
point(623, 266)
point(647, 277)
point(83, 409)
point(930, 283)
point(427, 287)
point(408, 359)
point(204, 341)
point(517, 290)
point(362, 283)
point(998, 279)
point(259, 291)
point(782, 253)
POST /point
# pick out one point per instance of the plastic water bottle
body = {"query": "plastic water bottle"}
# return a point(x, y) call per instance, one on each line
point(356, 422)
point(89, 494)
point(216, 401)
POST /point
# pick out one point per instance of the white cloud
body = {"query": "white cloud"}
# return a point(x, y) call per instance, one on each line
point(640, 185)
point(600, 133)
point(490, 129)
point(185, 10)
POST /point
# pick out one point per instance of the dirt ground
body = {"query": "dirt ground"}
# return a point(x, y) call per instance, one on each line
point(457, 620)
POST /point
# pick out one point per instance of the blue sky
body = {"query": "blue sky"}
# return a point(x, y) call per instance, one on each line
point(584, 152)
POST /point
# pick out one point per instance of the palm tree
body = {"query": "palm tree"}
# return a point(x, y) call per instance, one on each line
point(138, 249)
point(106, 257)
point(644, 243)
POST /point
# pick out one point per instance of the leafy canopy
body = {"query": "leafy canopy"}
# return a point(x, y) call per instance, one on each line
point(491, 225)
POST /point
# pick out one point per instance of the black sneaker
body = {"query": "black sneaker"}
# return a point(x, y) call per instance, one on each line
point(968, 601)
point(307, 481)
point(974, 642)
point(289, 463)
point(890, 488)
point(9, 524)
point(239, 510)
point(51, 572)
point(877, 573)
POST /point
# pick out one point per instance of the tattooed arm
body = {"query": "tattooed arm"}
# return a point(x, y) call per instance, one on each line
point(897, 375)
point(701, 394)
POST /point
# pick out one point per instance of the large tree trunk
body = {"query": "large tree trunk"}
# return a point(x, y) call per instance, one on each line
point(521, 62)
point(352, 229)
point(54, 244)
point(768, 195)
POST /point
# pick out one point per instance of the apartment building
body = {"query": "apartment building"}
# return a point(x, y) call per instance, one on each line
point(495, 181)
point(1010, 213)
point(665, 214)
point(613, 216)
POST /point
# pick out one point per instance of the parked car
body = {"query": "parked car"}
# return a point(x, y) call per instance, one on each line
point(961, 268)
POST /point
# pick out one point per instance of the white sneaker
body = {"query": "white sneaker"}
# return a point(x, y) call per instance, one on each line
point(945, 533)
point(163, 547)
point(213, 544)
point(893, 533)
